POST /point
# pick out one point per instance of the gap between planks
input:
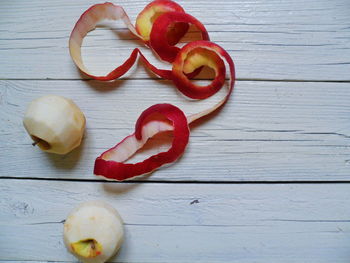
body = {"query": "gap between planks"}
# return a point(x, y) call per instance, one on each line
point(172, 182)
point(155, 78)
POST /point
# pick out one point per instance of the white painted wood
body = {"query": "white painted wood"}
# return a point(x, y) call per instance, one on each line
point(267, 39)
point(268, 131)
point(227, 223)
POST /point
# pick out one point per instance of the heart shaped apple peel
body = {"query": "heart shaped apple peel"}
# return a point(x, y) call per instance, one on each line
point(160, 26)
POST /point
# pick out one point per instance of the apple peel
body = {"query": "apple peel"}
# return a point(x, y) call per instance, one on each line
point(111, 163)
point(96, 13)
point(158, 38)
point(86, 23)
point(160, 26)
point(146, 18)
point(209, 54)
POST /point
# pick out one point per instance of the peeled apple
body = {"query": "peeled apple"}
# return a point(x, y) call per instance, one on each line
point(55, 124)
point(93, 232)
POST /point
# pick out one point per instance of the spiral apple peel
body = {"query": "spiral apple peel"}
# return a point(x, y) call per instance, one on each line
point(160, 26)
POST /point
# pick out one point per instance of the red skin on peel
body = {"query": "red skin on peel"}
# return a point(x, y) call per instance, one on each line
point(114, 170)
point(121, 171)
point(121, 70)
point(159, 41)
point(157, 8)
point(162, 40)
point(182, 81)
point(169, 25)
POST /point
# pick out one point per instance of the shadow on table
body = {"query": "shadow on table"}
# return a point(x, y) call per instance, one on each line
point(120, 188)
point(105, 86)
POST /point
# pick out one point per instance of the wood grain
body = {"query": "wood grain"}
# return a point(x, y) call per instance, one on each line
point(265, 179)
point(274, 131)
point(165, 223)
point(297, 40)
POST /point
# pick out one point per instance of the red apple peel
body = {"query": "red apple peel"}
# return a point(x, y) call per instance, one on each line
point(111, 163)
point(187, 62)
point(158, 38)
point(146, 18)
point(96, 13)
point(215, 59)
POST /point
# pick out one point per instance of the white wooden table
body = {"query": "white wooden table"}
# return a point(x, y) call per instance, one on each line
point(265, 180)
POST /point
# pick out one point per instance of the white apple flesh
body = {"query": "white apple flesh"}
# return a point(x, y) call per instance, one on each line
point(56, 124)
point(93, 232)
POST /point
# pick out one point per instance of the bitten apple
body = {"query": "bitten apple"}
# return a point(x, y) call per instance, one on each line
point(56, 124)
point(93, 232)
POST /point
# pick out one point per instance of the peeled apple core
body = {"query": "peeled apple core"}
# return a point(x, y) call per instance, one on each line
point(160, 26)
point(42, 144)
point(88, 248)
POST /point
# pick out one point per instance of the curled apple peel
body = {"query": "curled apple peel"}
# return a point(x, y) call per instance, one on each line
point(144, 30)
point(195, 55)
point(147, 17)
point(56, 124)
point(160, 25)
point(111, 164)
point(159, 36)
point(93, 232)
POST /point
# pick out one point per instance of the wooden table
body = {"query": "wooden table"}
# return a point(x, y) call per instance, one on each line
point(267, 179)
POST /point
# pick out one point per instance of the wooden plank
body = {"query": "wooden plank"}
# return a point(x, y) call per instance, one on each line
point(275, 131)
point(267, 39)
point(164, 223)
